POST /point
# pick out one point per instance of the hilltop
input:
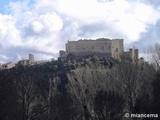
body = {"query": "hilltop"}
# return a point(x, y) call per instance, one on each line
point(76, 88)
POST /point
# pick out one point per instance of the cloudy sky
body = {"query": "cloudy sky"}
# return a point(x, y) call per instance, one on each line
point(42, 27)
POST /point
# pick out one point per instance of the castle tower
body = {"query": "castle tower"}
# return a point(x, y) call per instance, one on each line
point(133, 54)
point(31, 58)
point(136, 54)
point(117, 48)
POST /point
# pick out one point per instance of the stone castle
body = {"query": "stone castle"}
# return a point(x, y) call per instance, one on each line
point(100, 47)
point(24, 62)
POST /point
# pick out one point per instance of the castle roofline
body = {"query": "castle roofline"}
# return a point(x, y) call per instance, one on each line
point(98, 39)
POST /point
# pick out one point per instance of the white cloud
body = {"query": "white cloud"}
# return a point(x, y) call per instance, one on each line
point(37, 26)
point(39, 56)
point(9, 34)
point(52, 21)
point(129, 18)
point(3, 58)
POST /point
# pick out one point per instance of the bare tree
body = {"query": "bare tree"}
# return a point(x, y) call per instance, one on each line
point(130, 80)
point(108, 105)
point(62, 105)
point(7, 96)
point(53, 90)
point(28, 97)
point(84, 83)
point(153, 55)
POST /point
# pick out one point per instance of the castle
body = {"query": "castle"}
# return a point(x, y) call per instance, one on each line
point(24, 62)
point(100, 47)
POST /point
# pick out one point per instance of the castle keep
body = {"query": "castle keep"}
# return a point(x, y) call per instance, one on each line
point(100, 47)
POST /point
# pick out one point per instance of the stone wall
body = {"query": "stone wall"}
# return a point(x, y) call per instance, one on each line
point(104, 46)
